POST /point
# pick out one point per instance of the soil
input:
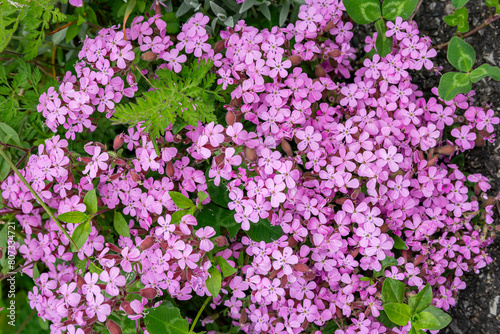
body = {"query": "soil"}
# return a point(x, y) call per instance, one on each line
point(478, 306)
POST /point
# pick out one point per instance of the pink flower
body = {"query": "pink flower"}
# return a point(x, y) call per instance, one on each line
point(284, 260)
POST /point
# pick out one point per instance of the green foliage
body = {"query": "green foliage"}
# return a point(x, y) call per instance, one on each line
point(398, 242)
point(121, 225)
point(387, 262)
point(187, 96)
point(227, 269)
point(383, 43)
point(393, 291)
point(452, 84)
point(460, 19)
point(214, 282)
point(90, 201)
point(264, 231)
point(363, 11)
point(73, 217)
point(459, 3)
point(394, 8)
point(81, 234)
point(421, 300)
point(218, 217)
point(461, 54)
point(493, 4)
point(165, 319)
point(398, 313)
point(181, 201)
point(442, 317)
point(483, 71)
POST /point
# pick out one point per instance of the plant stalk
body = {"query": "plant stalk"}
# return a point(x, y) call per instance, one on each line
point(199, 314)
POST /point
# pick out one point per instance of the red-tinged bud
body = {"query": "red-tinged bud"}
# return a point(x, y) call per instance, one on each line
point(285, 145)
point(147, 243)
point(341, 201)
point(221, 241)
point(170, 169)
point(292, 242)
point(114, 177)
point(219, 159)
point(432, 162)
point(114, 248)
point(490, 201)
point(119, 162)
point(308, 276)
point(141, 231)
point(404, 253)
point(243, 317)
point(308, 176)
point(118, 142)
point(479, 141)
point(230, 117)
point(135, 177)
point(219, 46)
point(126, 307)
point(85, 159)
point(80, 281)
point(477, 190)
point(113, 327)
point(305, 324)
point(250, 154)
point(446, 150)
point(329, 26)
point(319, 71)
point(102, 286)
point(355, 194)
point(177, 138)
point(418, 260)
point(303, 268)
point(295, 59)
point(148, 293)
point(384, 228)
point(236, 102)
point(334, 53)
point(149, 56)
point(355, 253)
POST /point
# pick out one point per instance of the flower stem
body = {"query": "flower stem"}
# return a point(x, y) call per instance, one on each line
point(42, 203)
point(199, 314)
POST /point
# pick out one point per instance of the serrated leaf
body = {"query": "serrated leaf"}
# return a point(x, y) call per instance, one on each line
point(394, 8)
point(214, 282)
point(443, 317)
point(90, 201)
point(165, 320)
point(485, 70)
point(459, 3)
point(120, 225)
point(452, 84)
point(73, 217)
point(461, 54)
point(217, 217)
point(181, 201)
point(285, 9)
point(81, 234)
point(383, 43)
point(363, 11)
point(393, 291)
point(264, 231)
point(227, 269)
point(424, 320)
point(421, 300)
point(398, 313)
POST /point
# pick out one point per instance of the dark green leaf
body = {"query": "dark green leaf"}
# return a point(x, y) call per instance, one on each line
point(424, 320)
point(460, 54)
point(421, 300)
point(393, 291)
point(73, 217)
point(120, 225)
point(383, 43)
point(81, 234)
point(264, 231)
point(459, 17)
point(387, 262)
point(181, 201)
point(452, 84)
point(394, 8)
point(384, 319)
point(484, 71)
point(214, 282)
point(227, 269)
point(90, 201)
point(217, 217)
point(72, 32)
point(363, 11)
point(165, 319)
point(443, 317)
point(218, 194)
point(398, 242)
point(398, 313)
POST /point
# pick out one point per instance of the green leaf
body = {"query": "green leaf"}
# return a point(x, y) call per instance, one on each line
point(90, 201)
point(394, 8)
point(443, 318)
point(264, 231)
point(218, 194)
point(459, 17)
point(421, 300)
point(264, 10)
point(177, 216)
point(202, 196)
point(383, 43)
point(181, 201)
point(413, 330)
point(384, 319)
point(227, 269)
point(393, 291)
point(494, 4)
point(398, 242)
point(8, 135)
point(484, 71)
point(217, 217)
point(94, 269)
point(424, 320)
point(398, 313)
point(73, 217)
point(72, 32)
point(459, 3)
point(36, 272)
point(214, 282)
point(120, 225)
point(460, 54)
point(165, 319)
point(452, 84)
point(81, 234)
point(285, 8)
point(363, 11)
point(247, 5)
point(387, 262)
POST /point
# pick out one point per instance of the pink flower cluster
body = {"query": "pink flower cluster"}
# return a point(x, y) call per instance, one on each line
point(344, 167)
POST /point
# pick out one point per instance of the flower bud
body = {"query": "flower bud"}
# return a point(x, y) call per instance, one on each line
point(148, 293)
point(432, 162)
point(114, 248)
point(490, 201)
point(334, 53)
point(219, 46)
point(170, 169)
point(126, 307)
point(329, 26)
point(295, 59)
point(80, 281)
point(85, 159)
point(286, 147)
point(319, 71)
point(292, 242)
point(303, 268)
point(250, 154)
point(149, 56)
point(230, 117)
point(118, 142)
point(135, 177)
point(446, 150)
point(243, 317)
point(113, 327)
point(147, 243)
point(418, 260)
point(479, 141)
point(119, 162)
point(221, 241)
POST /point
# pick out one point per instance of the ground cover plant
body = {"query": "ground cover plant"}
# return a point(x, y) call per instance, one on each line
point(211, 168)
